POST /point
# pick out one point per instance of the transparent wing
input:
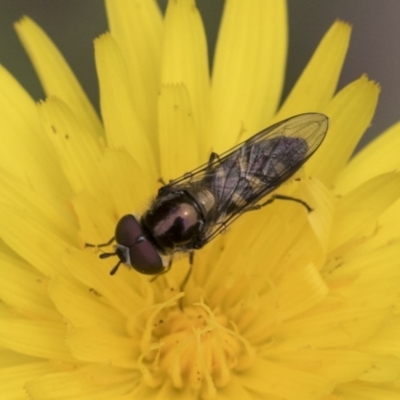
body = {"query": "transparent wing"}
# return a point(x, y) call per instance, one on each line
point(242, 176)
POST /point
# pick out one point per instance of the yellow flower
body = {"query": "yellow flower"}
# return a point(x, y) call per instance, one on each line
point(285, 305)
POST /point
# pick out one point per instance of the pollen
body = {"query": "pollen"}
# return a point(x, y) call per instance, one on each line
point(193, 347)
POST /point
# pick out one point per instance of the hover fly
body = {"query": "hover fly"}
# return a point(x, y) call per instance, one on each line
point(190, 211)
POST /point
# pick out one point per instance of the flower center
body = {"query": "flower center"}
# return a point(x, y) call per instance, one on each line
point(194, 347)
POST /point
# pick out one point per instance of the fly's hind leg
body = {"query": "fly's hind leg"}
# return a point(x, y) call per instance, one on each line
point(279, 197)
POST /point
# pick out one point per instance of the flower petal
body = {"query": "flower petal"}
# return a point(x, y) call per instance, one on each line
point(361, 207)
point(359, 282)
point(36, 338)
point(39, 244)
point(248, 69)
point(51, 212)
point(327, 327)
point(175, 116)
point(293, 301)
point(13, 379)
point(381, 155)
point(336, 365)
point(25, 152)
point(359, 390)
point(94, 345)
point(94, 382)
point(322, 202)
point(184, 61)
point(298, 291)
point(303, 385)
point(386, 340)
point(55, 74)
point(82, 306)
point(78, 151)
point(388, 225)
point(383, 370)
point(129, 21)
point(25, 291)
point(95, 216)
point(122, 124)
point(122, 290)
point(317, 83)
point(128, 185)
point(350, 113)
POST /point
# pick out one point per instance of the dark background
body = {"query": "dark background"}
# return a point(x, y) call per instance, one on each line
point(374, 48)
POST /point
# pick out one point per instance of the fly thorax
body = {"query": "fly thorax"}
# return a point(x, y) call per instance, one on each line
point(173, 222)
point(203, 198)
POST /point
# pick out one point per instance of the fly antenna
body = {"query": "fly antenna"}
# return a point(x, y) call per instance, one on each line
point(115, 269)
point(107, 255)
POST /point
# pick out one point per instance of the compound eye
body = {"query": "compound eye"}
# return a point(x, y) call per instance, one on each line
point(138, 251)
point(145, 258)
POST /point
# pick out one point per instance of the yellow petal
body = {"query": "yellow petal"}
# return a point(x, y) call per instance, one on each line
point(13, 379)
point(25, 290)
point(128, 185)
point(83, 306)
point(51, 212)
point(362, 284)
point(122, 124)
point(55, 74)
point(350, 113)
point(248, 69)
point(25, 152)
point(128, 21)
point(303, 385)
point(39, 245)
point(317, 83)
point(336, 365)
point(384, 369)
point(293, 301)
point(94, 345)
point(322, 327)
point(78, 151)
point(95, 216)
point(381, 155)
point(388, 225)
point(320, 198)
point(362, 206)
point(386, 341)
point(121, 290)
point(90, 382)
point(9, 358)
point(184, 61)
point(176, 120)
point(37, 338)
point(359, 390)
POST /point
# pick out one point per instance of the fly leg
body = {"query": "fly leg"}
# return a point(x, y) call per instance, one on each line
point(101, 244)
point(104, 255)
point(213, 156)
point(279, 197)
point(187, 277)
point(189, 273)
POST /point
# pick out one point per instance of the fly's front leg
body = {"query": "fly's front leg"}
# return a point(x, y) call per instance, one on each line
point(101, 244)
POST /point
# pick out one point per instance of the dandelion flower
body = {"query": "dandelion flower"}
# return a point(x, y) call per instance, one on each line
point(286, 305)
